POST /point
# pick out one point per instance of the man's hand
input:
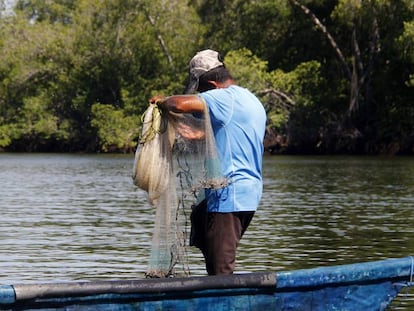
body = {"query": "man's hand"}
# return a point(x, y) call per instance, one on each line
point(157, 99)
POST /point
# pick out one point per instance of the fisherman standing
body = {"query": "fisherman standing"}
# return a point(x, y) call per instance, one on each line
point(238, 121)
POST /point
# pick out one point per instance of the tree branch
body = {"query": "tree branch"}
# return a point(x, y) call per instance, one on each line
point(160, 39)
point(285, 98)
point(325, 31)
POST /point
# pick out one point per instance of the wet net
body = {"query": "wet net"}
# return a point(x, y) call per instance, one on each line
point(175, 161)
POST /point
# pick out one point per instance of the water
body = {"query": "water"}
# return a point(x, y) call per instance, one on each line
point(68, 217)
point(321, 210)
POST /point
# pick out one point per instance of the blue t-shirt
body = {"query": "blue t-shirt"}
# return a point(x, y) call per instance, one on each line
point(238, 121)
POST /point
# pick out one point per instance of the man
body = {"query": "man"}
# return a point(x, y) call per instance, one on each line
point(238, 120)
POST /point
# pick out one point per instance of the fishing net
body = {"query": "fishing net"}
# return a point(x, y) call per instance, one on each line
point(175, 161)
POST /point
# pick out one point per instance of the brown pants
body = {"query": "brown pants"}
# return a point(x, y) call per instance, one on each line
point(217, 235)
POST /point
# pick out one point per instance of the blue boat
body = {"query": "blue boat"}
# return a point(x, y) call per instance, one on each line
point(361, 286)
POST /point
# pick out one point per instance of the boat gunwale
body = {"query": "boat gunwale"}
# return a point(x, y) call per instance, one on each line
point(196, 283)
point(398, 271)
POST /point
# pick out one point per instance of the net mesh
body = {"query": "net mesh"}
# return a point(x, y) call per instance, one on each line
point(176, 159)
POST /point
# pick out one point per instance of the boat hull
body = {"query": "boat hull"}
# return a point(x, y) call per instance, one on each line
point(361, 286)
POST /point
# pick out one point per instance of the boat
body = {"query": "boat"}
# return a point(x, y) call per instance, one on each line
point(359, 286)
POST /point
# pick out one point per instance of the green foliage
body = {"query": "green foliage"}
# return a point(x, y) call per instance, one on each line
point(347, 12)
point(51, 11)
point(31, 69)
point(68, 55)
point(247, 69)
point(237, 24)
point(116, 131)
point(261, 24)
point(252, 72)
point(74, 71)
point(296, 88)
point(301, 82)
point(36, 120)
point(277, 120)
point(8, 132)
point(302, 117)
point(406, 46)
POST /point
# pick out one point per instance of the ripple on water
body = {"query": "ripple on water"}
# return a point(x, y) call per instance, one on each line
point(79, 217)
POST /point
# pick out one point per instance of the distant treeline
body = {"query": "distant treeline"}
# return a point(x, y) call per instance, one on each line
point(335, 77)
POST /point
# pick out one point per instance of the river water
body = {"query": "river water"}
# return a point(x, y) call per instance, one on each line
point(76, 217)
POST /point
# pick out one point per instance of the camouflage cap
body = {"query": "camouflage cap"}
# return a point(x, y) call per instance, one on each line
point(202, 62)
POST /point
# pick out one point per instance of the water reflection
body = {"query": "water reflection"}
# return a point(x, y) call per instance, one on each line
point(322, 210)
point(79, 217)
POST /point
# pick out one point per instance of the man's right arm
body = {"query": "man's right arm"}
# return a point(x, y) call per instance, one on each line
point(180, 103)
